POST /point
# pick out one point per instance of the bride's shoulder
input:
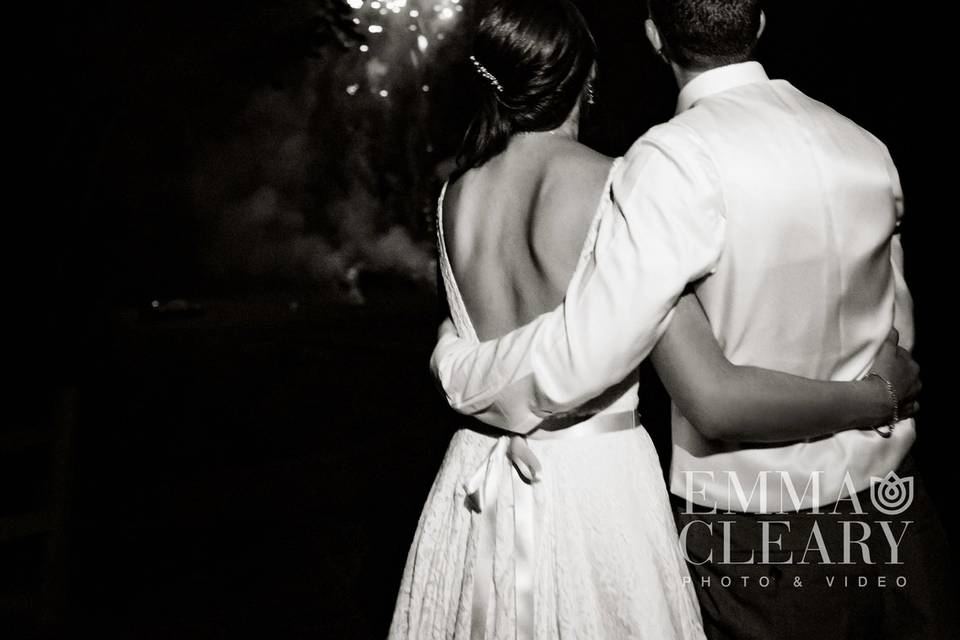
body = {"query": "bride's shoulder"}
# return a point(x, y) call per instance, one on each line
point(567, 204)
point(571, 151)
point(578, 168)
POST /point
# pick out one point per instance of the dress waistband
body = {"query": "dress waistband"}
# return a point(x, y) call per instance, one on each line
point(565, 428)
point(593, 426)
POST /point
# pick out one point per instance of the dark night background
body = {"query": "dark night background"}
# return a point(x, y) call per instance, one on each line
point(223, 298)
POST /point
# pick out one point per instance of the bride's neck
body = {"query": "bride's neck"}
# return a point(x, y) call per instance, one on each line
point(570, 128)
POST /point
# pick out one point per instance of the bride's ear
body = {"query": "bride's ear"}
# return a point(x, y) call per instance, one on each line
point(763, 24)
point(653, 35)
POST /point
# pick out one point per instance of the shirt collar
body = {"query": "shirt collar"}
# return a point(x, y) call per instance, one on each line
point(720, 79)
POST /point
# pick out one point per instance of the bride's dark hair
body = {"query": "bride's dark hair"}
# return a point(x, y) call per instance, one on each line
point(531, 61)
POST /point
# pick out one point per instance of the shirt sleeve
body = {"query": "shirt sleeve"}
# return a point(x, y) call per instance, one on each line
point(662, 228)
point(903, 301)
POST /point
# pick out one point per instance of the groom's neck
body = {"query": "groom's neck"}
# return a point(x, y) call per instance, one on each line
point(683, 76)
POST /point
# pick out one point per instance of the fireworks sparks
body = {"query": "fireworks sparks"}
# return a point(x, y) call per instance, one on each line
point(428, 18)
point(404, 32)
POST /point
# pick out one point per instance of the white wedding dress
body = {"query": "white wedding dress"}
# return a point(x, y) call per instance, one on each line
point(588, 552)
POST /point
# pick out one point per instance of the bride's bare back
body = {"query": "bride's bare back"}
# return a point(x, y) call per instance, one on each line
point(515, 228)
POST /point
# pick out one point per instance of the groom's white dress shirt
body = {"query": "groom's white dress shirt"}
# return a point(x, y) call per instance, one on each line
point(790, 211)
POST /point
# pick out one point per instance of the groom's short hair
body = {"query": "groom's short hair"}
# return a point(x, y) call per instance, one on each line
point(703, 34)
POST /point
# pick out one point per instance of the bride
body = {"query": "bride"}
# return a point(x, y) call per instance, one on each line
point(566, 533)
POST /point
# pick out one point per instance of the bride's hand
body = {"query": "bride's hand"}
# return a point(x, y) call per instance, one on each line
point(895, 364)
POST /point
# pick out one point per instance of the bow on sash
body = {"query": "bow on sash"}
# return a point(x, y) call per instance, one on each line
point(511, 453)
point(482, 490)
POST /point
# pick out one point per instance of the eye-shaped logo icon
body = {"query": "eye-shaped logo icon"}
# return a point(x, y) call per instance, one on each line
point(891, 495)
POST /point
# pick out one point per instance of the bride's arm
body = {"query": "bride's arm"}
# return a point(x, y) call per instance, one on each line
point(749, 404)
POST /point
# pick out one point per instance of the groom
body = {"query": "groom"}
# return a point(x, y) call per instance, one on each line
point(783, 214)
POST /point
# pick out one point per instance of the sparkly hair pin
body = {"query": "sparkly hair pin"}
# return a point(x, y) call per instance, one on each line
point(482, 70)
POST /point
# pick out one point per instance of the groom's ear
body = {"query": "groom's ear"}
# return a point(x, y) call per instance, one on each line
point(653, 35)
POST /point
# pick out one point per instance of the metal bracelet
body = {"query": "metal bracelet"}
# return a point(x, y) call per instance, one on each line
point(887, 430)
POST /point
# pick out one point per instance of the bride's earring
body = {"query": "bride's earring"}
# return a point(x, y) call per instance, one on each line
point(591, 97)
point(662, 55)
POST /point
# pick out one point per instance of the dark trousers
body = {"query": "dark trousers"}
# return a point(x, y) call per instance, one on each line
point(796, 593)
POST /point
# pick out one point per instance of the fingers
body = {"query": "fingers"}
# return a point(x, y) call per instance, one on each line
point(894, 336)
point(910, 410)
point(910, 396)
point(910, 390)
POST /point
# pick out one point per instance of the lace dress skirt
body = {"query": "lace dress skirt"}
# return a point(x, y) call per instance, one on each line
point(604, 562)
